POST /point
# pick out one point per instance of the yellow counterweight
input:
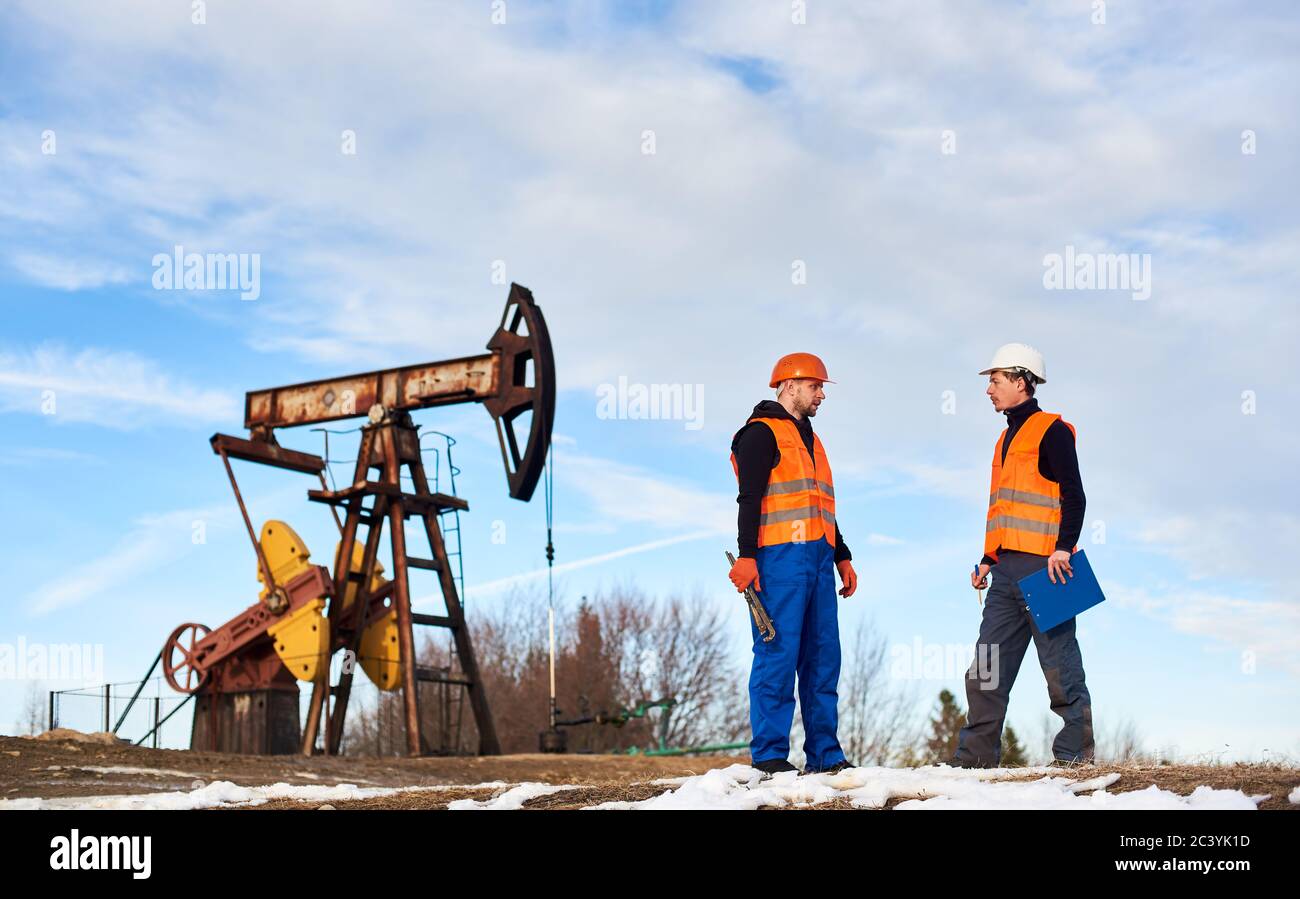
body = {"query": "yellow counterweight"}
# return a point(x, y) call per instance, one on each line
point(380, 657)
point(302, 637)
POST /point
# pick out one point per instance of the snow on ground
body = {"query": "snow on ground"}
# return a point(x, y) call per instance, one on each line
point(510, 799)
point(225, 793)
point(1294, 798)
point(122, 769)
point(736, 787)
point(936, 787)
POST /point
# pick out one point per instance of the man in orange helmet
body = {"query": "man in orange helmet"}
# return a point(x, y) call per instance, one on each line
point(789, 546)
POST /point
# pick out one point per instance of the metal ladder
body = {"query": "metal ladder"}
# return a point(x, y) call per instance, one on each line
point(453, 696)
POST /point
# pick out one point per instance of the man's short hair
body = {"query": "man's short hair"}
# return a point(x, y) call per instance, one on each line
point(1030, 379)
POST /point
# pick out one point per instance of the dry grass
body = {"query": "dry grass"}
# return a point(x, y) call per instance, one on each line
point(64, 767)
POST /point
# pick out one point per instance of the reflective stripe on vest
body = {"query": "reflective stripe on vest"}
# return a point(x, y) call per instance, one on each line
point(1024, 507)
point(800, 484)
point(795, 514)
point(1024, 524)
point(1024, 496)
point(799, 502)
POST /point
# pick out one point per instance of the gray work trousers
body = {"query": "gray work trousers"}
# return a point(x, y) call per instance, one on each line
point(1005, 632)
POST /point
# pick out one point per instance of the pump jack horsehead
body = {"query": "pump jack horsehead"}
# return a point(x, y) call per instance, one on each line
point(307, 612)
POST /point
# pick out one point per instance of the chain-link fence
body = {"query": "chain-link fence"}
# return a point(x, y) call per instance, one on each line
point(141, 713)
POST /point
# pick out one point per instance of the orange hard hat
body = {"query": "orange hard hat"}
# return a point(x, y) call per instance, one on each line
point(799, 365)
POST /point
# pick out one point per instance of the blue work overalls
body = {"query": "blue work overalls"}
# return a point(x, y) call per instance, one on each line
point(798, 581)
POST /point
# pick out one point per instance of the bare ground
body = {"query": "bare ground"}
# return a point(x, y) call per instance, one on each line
point(66, 766)
point(50, 768)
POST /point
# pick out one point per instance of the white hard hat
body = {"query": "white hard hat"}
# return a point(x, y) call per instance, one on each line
point(1018, 355)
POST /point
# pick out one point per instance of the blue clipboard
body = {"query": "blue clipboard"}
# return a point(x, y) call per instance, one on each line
point(1052, 604)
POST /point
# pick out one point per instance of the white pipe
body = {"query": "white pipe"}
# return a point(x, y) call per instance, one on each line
point(550, 614)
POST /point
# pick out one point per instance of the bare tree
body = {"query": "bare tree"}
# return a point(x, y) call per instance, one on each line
point(1123, 745)
point(31, 720)
point(878, 722)
point(877, 718)
point(1048, 725)
point(677, 649)
point(613, 652)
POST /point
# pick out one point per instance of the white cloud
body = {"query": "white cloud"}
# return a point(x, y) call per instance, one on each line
point(67, 274)
point(151, 540)
point(112, 388)
point(1224, 542)
point(937, 480)
point(496, 586)
point(1270, 628)
point(629, 495)
point(883, 540)
point(30, 456)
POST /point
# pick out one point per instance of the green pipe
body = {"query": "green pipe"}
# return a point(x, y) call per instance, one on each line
point(721, 747)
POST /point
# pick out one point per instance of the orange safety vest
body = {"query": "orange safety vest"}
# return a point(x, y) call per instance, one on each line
point(799, 503)
point(1024, 506)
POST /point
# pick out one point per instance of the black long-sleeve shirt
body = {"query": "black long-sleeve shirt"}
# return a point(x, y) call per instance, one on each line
point(756, 455)
point(1057, 461)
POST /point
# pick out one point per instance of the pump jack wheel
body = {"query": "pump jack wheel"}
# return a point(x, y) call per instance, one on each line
point(528, 372)
point(184, 675)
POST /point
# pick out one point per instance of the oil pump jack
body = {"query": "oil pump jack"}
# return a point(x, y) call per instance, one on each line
point(244, 673)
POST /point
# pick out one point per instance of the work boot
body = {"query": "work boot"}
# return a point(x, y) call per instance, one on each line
point(966, 763)
point(1070, 763)
point(773, 766)
point(833, 769)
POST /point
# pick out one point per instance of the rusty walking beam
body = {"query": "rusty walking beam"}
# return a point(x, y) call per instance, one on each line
point(469, 379)
point(516, 376)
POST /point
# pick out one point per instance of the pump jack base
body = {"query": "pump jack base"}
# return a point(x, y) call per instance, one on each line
point(553, 741)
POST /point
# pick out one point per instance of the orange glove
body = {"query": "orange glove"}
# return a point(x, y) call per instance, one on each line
point(744, 573)
point(849, 577)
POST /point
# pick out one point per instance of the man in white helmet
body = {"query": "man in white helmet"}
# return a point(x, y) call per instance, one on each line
point(1036, 506)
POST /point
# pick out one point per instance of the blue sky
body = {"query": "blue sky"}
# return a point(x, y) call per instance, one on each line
point(775, 145)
